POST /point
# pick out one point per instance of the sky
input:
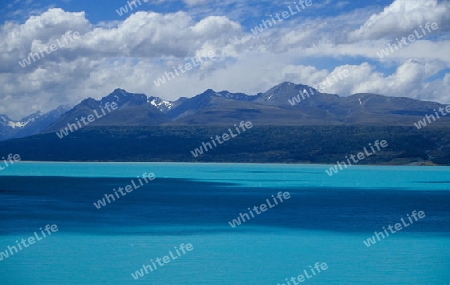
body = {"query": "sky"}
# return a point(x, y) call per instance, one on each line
point(87, 49)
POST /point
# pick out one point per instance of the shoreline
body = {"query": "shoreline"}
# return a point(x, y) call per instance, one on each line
point(419, 163)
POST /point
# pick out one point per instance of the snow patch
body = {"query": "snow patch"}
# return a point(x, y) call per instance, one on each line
point(17, 124)
point(163, 105)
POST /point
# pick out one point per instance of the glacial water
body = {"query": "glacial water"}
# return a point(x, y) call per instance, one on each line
point(326, 219)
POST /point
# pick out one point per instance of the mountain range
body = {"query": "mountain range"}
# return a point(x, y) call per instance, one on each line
point(276, 107)
point(29, 125)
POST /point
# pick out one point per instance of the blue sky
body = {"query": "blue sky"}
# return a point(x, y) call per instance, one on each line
point(131, 51)
point(105, 10)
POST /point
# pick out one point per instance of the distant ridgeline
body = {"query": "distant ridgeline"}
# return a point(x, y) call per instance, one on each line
point(263, 144)
point(286, 104)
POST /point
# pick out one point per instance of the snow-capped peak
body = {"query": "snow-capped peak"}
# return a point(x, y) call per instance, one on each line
point(162, 105)
point(22, 122)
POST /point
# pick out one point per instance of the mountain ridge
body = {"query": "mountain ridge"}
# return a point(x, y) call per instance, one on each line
point(276, 106)
point(30, 124)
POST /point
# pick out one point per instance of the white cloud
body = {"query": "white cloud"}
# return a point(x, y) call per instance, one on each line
point(407, 81)
point(402, 17)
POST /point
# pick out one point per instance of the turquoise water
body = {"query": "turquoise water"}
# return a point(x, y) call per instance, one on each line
point(325, 220)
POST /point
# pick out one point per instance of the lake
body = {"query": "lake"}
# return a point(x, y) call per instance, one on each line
point(178, 228)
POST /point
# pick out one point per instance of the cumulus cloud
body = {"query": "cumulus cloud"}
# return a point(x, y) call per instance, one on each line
point(402, 17)
point(143, 34)
point(407, 81)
